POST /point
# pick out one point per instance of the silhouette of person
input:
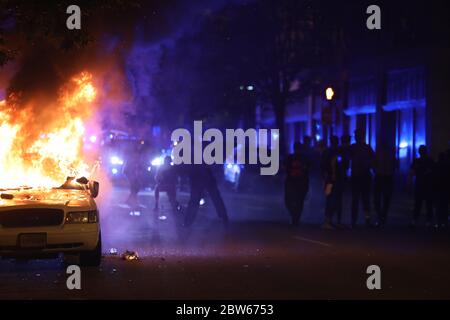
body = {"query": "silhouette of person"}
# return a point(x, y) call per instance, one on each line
point(166, 181)
point(334, 172)
point(134, 173)
point(306, 147)
point(384, 167)
point(345, 150)
point(297, 182)
point(203, 181)
point(422, 170)
point(361, 157)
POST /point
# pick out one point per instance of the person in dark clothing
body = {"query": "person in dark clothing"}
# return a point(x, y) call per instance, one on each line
point(307, 149)
point(134, 173)
point(345, 151)
point(296, 183)
point(202, 180)
point(334, 172)
point(166, 181)
point(361, 157)
point(442, 178)
point(384, 167)
point(422, 170)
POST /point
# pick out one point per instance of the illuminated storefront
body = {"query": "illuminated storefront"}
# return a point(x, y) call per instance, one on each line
point(406, 102)
point(361, 108)
point(399, 102)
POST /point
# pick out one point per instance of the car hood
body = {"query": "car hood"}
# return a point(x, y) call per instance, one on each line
point(55, 198)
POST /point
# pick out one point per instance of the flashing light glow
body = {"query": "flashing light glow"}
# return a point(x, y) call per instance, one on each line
point(93, 139)
point(250, 88)
point(116, 160)
point(149, 169)
point(157, 161)
point(403, 145)
point(202, 201)
point(114, 171)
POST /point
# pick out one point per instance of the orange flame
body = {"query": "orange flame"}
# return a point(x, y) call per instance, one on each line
point(41, 148)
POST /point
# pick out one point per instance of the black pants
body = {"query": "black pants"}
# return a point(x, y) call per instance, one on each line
point(171, 192)
point(334, 202)
point(197, 191)
point(384, 186)
point(423, 193)
point(360, 191)
point(294, 197)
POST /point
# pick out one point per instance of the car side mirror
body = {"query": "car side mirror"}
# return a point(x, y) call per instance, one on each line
point(83, 180)
point(94, 188)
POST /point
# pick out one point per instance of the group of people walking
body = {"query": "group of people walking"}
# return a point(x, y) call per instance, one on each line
point(201, 180)
point(370, 177)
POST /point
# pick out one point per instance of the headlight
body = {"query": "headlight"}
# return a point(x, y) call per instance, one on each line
point(157, 161)
point(116, 160)
point(82, 217)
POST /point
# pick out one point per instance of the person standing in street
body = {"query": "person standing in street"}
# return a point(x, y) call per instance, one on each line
point(385, 165)
point(202, 181)
point(166, 181)
point(361, 157)
point(296, 183)
point(334, 172)
point(422, 171)
point(134, 173)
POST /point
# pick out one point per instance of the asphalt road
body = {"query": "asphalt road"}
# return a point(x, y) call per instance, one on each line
point(257, 256)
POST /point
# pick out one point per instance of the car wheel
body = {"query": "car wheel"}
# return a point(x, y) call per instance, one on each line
point(92, 258)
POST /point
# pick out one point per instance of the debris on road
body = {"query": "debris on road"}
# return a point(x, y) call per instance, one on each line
point(130, 256)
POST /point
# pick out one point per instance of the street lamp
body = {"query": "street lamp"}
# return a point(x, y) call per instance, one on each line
point(329, 93)
point(328, 114)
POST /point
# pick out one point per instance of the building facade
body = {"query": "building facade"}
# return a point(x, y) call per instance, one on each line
point(401, 101)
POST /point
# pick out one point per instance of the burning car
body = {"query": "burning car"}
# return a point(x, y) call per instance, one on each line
point(45, 222)
point(39, 149)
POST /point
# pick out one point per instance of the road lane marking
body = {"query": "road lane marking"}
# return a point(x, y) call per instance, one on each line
point(313, 241)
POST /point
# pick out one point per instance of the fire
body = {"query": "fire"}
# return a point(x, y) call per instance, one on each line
point(42, 145)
